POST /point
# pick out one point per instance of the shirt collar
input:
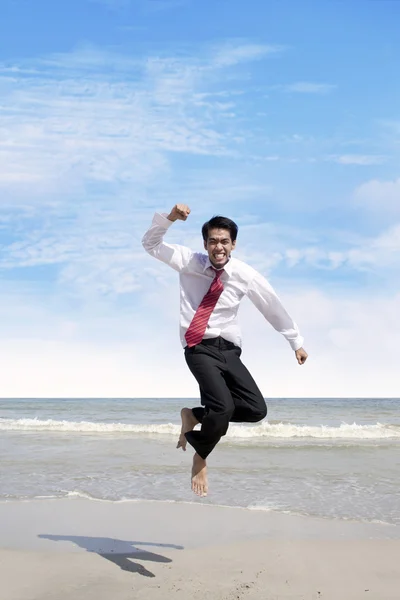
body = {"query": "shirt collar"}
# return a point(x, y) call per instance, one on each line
point(227, 268)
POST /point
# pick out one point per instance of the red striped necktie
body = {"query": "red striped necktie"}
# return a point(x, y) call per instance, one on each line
point(197, 327)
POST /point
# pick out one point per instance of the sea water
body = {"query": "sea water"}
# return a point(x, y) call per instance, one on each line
point(332, 458)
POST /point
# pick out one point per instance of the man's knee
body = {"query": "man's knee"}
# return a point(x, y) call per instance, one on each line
point(261, 411)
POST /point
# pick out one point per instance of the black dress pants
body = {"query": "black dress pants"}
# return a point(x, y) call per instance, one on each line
point(227, 390)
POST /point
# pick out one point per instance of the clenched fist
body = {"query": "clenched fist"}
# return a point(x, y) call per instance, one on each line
point(301, 356)
point(179, 212)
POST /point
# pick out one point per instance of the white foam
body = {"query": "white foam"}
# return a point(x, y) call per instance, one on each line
point(343, 431)
point(263, 430)
point(85, 427)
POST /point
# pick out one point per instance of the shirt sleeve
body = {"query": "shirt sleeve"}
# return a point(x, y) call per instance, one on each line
point(174, 255)
point(263, 296)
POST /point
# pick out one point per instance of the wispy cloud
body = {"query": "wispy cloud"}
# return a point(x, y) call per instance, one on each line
point(94, 140)
point(233, 54)
point(93, 135)
point(358, 159)
point(308, 87)
point(373, 254)
point(295, 252)
point(118, 123)
point(379, 195)
point(56, 126)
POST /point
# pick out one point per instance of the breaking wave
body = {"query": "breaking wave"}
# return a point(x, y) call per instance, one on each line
point(263, 430)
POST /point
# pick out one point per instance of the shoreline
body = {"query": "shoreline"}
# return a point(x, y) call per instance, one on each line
point(23, 521)
point(81, 496)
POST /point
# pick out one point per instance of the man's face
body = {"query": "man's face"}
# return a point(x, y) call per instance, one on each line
point(219, 247)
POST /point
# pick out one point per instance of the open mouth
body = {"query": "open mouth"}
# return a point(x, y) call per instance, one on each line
point(219, 256)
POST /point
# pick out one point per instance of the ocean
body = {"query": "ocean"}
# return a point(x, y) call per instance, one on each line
point(330, 458)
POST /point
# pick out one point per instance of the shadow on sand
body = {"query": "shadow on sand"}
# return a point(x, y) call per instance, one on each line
point(122, 553)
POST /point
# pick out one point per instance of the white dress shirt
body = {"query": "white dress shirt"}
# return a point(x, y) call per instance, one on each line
point(239, 280)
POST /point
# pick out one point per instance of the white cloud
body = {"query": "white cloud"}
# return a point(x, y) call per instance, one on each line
point(307, 87)
point(95, 137)
point(352, 342)
point(233, 54)
point(86, 149)
point(95, 129)
point(379, 195)
point(358, 159)
point(389, 240)
point(99, 253)
point(382, 252)
point(325, 250)
point(96, 116)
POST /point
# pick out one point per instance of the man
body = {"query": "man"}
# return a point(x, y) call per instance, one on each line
point(211, 288)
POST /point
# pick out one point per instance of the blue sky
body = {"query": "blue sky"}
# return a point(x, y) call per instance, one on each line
point(282, 115)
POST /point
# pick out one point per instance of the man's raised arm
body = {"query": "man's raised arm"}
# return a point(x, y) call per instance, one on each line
point(174, 255)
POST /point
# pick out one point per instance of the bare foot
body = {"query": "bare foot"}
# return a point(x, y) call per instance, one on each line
point(189, 422)
point(199, 476)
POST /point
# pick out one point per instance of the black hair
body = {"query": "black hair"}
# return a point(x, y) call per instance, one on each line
point(219, 222)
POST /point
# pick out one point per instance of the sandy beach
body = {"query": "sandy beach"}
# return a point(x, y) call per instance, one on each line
point(85, 549)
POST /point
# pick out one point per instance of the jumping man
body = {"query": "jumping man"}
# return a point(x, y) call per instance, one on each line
point(212, 286)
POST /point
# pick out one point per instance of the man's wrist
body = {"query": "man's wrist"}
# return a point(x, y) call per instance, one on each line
point(170, 218)
point(162, 220)
point(297, 343)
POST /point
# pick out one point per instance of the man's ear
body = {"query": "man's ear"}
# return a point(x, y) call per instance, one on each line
point(233, 245)
point(205, 244)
